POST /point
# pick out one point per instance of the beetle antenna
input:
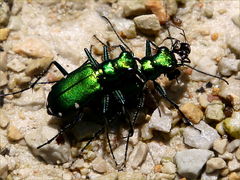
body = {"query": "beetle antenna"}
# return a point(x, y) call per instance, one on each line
point(207, 73)
point(122, 41)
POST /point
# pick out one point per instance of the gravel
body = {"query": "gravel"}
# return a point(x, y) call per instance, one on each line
point(34, 33)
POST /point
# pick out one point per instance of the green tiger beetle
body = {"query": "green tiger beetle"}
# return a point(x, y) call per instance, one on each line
point(118, 80)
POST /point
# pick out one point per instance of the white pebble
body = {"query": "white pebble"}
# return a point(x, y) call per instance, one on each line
point(219, 145)
point(215, 164)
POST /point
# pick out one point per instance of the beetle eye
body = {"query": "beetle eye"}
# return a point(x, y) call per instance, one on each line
point(186, 47)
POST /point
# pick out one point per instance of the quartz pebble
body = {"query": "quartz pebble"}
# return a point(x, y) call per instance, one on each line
point(233, 176)
point(4, 34)
point(157, 151)
point(233, 43)
point(33, 47)
point(228, 66)
point(133, 8)
point(214, 111)
point(233, 165)
point(237, 154)
point(192, 112)
point(4, 14)
point(110, 176)
point(119, 153)
point(3, 167)
point(226, 156)
point(231, 92)
point(208, 12)
point(232, 125)
point(220, 128)
point(51, 153)
point(3, 61)
point(233, 145)
point(138, 155)
point(168, 168)
point(147, 24)
point(161, 122)
point(211, 176)
point(3, 119)
point(215, 164)
point(78, 164)
point(203, 140)
point(13, 133)
point(219, 145)
point(236, 20)
point(162, 176)
point(37, 66)
point(190, 162)
point(131, 176)
point(16, 65)
point(3, 80)
point(99, 165)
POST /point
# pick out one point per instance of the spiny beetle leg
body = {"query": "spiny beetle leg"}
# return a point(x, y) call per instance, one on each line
point(162, 92)
point(59, 67)
point(105, 111)
point(66, 127)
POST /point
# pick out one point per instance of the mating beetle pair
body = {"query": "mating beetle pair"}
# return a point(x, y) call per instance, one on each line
point(118, 80)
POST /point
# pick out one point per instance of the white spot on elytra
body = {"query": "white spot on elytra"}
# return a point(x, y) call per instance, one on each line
point(60, 114)
point(77, 105)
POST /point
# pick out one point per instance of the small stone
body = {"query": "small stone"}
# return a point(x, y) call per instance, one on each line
point(233, 145)
point(133, 8)
point(228, 66)
point(162, 176)
point(190, 162)
point(157, 151)
point(37, 66)
point(192, 112)
point(4, 14)
point(214, 36)
point(16, 65)
point(236, 20)
point(203, 100)
point(131, 176)
point(119, 153)
point(3, 80)
point(48, 3)
point(234, 44)
point(220, 129)
point(127, 29)
point(3, 119)
point(233, 165)
point(159, 9)
point(4, 34)
point(13, 133)
point(147, 24)
point(146, 132)
point(110, 176)
point(77, 165)
point(3, 167)
point(161, 122)
point(226, 156)
point(157, 168)
point(52, 153)
point(232, 125)
point(168, 168)
point(99, 165)
point(33, 47)
point(15, 23)
point(224, 172)
point(214, 164)
point(211, 176)
point(3, 61)
point(233, 176)
point(172, 7)
point(237, 154)
point(138, 155)
point(214, 111)
point(202, 140)
point(219, 145)
point(208, 12)
point(231, 92)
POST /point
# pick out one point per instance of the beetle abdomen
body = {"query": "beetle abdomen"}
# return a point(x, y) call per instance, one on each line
point(74, 91)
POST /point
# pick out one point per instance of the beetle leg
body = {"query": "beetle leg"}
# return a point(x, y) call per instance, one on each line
point(105, 110)
point(91, 59)
point(59, 67)
point(162, 92)
point(68, 126)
